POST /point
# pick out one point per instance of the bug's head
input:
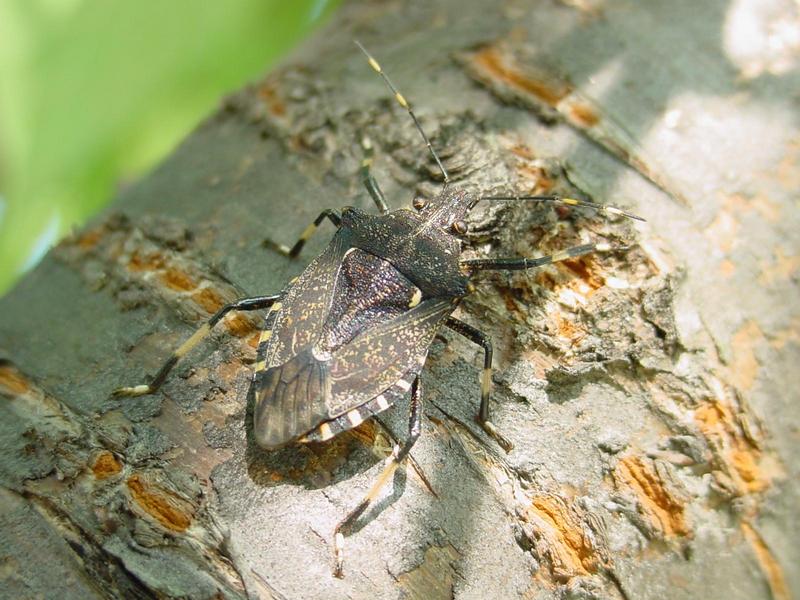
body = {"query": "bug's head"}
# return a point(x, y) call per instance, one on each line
point(447, 210)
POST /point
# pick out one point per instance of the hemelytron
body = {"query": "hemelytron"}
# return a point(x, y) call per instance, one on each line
point(348, 337)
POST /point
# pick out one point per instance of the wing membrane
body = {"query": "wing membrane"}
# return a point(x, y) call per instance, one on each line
point(290, 399)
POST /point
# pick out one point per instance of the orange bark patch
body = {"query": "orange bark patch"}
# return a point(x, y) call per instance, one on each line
point(106, 465)
point(508, 299)
point(365, 433)
point(89, 239)
point(585, 277)
point(151, 262)
point(537, 178)
point(164, 506)
point(657, 502)
point(490, 64)
point(268, 94)
point(727, 268)
point(746, 464)
point(586, 269)
point(583, 115)
point(523, 151)
point(253, 340)
point(211, 301)
point(566, 545)
point(567, 329)
point(545, 279)
point(769, 565)
point(740, 457)
point(723, 230)
point(208, 299)
point(239, 325)
point(744, 366)
point(177, 280)
point(12, 381)
point(709, 417)
point(783, 268)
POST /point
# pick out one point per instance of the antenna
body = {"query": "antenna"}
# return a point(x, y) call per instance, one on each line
point(404, 103)
point(601, 208)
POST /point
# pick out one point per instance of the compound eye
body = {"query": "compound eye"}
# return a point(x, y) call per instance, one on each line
point(459, 227)
point(419, 203)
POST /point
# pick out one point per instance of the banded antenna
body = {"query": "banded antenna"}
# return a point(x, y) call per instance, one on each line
point(555, 199)
point(404, 103)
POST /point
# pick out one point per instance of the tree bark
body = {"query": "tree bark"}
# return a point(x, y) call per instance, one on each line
point(649, 392)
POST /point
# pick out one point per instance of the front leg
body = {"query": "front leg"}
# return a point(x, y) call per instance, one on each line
point(520, 264)
point(292, 252)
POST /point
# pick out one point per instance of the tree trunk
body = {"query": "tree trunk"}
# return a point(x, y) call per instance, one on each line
point(649, 392)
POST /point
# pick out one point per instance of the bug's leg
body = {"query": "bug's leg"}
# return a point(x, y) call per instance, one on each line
point(330, 213)
point(519, 264)
point(369, 180)
point(395, 458)
point(411, 460)
point(254, 303)
point(480, 338)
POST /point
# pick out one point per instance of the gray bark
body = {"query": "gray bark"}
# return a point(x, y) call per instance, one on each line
point(650, 393)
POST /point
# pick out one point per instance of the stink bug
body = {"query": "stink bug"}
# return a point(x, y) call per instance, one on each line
point(349, 337)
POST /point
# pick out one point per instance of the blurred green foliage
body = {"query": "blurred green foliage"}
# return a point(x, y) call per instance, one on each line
point(93, 92)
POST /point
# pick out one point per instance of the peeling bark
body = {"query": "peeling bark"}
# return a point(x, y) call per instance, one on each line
point(649, 392)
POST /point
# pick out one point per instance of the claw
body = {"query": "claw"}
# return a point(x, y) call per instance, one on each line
point(338, 545)
point(279, 248)
point(137, 390)
point(489, 428)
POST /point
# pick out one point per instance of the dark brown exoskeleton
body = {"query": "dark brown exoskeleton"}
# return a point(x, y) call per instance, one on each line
point(349, 337)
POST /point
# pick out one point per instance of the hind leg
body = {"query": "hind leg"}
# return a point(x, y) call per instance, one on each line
point(397, 456)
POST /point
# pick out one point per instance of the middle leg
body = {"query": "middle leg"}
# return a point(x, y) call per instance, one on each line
point(245, 304)
point(478, 337)
point(521, 264)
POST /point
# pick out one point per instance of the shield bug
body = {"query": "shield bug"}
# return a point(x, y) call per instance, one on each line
point(349, 337)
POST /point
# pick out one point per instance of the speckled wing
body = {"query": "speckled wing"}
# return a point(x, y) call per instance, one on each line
point(291, 387)
point(380, 356)
point(300, 317)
